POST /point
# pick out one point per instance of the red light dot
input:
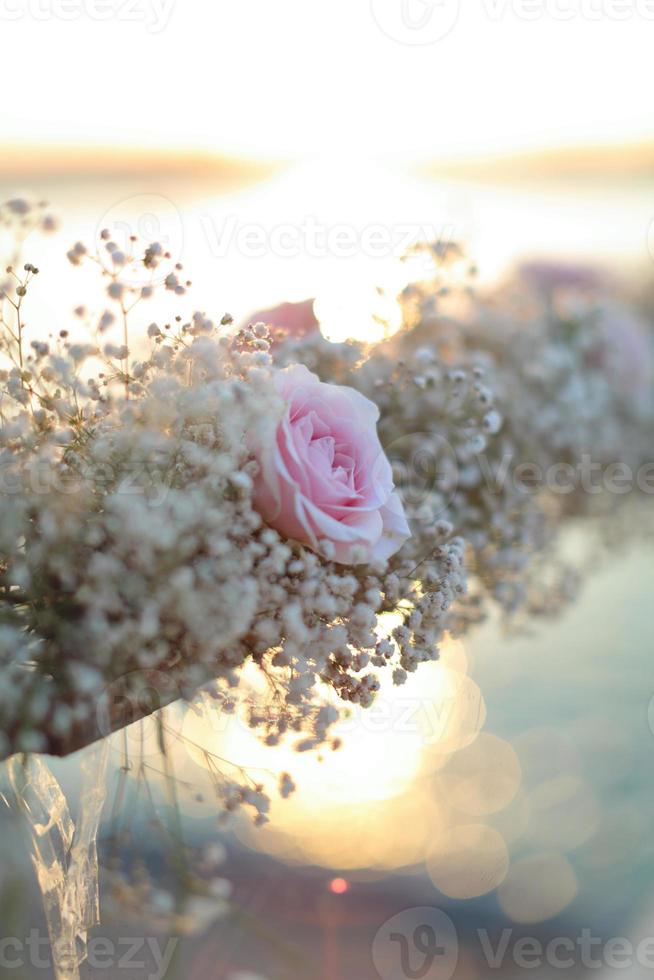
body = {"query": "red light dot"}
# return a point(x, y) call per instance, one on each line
point(338, 886)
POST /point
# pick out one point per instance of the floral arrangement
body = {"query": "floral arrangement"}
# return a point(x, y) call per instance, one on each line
point(178, 507)
point(233, 496)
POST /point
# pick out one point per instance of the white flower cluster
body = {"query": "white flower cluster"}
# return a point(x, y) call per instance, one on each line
point(127, 533)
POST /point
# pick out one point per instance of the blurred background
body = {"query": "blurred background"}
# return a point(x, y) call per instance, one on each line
point(289, 151)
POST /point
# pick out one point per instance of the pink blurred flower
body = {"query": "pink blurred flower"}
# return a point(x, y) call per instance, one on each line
point(294, 320)
point(549, 276)
point(624, 351)
point(326, 481)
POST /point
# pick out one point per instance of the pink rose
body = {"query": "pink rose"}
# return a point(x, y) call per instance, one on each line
point(624, 351)
point(294, 320)
point(550, 276)
point(325, 480)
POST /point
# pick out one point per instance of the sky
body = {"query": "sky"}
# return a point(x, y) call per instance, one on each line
point(291, 78)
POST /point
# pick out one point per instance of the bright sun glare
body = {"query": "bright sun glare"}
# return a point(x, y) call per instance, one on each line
point(385, 752)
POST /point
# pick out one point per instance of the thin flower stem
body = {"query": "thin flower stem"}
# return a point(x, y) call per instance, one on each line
point(125, 312)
